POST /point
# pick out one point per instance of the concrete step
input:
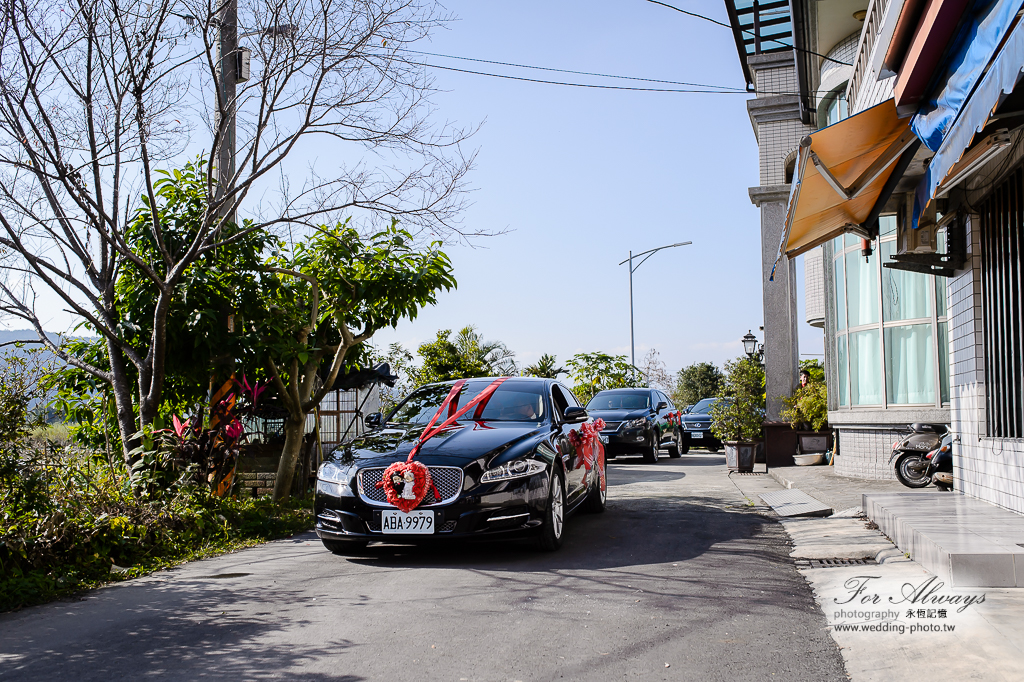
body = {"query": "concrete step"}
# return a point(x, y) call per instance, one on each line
point(795, 503)
point(964, 541)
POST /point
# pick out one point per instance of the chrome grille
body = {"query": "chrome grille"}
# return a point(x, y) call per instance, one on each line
point(611, 426)
point(447, 480)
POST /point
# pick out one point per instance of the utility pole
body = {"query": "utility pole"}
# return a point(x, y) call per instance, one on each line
point(224, 121)
point(647, 254)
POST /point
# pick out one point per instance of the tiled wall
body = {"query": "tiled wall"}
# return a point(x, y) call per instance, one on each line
point(991, 469)
point(774, 82)
point(864, 453)
point(777, 140)
point(814, 287)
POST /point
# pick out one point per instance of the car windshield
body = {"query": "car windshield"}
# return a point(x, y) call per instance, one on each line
point(619, 401)
point(703, 407)
point(513, 401)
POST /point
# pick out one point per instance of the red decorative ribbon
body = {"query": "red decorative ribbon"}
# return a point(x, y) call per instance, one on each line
point(481, 398)
point(420, 474)
point(583, 440)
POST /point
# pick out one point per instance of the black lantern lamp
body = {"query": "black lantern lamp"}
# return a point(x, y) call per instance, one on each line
point(753, 349)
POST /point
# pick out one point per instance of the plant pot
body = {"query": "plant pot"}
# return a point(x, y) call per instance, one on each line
point(739, 455)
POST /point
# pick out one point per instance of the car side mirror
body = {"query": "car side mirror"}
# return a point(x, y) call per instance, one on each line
point(575, 415)
point(373, 420)
point(662, 405)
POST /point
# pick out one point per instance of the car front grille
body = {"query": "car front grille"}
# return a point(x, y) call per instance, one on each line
point(447, 480)
point(611, 426)
point(696, 426)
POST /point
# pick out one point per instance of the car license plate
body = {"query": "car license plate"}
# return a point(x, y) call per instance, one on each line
point(416, 521)
point(696, 435)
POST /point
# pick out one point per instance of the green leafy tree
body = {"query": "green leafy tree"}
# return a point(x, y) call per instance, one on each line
point(595, 372)
point(545, 368)
point(441, 360)
point(696, 382)
point(740, 415)
point(401, 362)
point(192, 317)
point(324, 298)
point(467, 355)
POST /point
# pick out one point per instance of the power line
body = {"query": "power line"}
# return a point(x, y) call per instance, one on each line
point(587, 85)
point(579, 73)
point(748, 31)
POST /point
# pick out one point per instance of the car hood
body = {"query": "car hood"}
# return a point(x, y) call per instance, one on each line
point(618, 415)
point(455, 446)
point(702, 418)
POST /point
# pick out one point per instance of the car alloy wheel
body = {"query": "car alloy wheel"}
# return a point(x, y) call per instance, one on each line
point(550, 537)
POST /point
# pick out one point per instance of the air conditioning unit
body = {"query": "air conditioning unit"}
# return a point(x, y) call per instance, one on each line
point(921, 240)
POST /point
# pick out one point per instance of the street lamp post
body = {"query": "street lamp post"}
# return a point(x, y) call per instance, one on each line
point(647, 254)
point(752, 348)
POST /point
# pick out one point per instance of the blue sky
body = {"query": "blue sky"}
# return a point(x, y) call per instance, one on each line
point(578, 177)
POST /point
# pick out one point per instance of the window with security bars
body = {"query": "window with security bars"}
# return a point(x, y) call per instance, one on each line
point(1002, 242)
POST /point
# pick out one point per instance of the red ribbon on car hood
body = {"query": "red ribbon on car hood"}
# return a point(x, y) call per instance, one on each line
point(480, 399)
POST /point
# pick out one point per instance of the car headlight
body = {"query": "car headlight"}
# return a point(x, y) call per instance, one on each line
point(634, 423)
point(518, 468)
point(333, 480)
point(329, 471)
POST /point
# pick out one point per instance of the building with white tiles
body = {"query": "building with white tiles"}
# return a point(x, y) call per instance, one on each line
point(923, 320)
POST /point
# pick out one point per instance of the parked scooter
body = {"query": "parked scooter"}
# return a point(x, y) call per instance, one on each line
point(909, 453)
point(940, 464)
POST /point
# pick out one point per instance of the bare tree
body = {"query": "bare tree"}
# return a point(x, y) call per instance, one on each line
point(97, 95)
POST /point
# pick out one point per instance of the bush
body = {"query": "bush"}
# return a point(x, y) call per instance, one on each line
point(740, 415)
point(70, 519)
point(808, 407)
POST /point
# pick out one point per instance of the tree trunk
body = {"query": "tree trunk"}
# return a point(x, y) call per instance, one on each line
point(293, 433)
point(122, 389)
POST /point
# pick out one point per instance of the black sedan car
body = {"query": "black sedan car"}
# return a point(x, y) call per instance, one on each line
point(517, 463)
point(697, 426)
point(638, 420)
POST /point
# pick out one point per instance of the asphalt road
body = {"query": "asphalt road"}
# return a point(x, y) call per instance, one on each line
point(678, 580)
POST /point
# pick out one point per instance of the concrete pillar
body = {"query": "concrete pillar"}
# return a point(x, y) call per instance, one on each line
point(781, 317)
point(778, 127)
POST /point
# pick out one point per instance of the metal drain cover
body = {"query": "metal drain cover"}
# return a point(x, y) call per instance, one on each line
point(833, 563)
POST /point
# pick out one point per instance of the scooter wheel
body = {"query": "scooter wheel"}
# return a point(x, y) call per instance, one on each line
point(906, 474)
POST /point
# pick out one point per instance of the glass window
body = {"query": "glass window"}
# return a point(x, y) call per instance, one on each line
point(844, 394)
point(886, 225)
point(840, 294)
point(940, 296)
point(838, 109)
point(943, 360)
point(850, 239)
point(905, 294)
point(910, 364)
point(861, 289)
point(613, 400)
point(865, 368)
point(837, 245)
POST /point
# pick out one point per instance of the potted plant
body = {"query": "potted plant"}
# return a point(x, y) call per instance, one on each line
point(807, 413)
point(737, 420)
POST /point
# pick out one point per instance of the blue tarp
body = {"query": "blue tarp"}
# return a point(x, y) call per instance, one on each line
point(973, 114)
point(980, 34)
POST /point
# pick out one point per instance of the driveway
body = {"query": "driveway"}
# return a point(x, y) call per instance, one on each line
point(679, 580)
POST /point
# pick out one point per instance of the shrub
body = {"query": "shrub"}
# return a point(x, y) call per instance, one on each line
point(740, 415)
point(808, 407)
